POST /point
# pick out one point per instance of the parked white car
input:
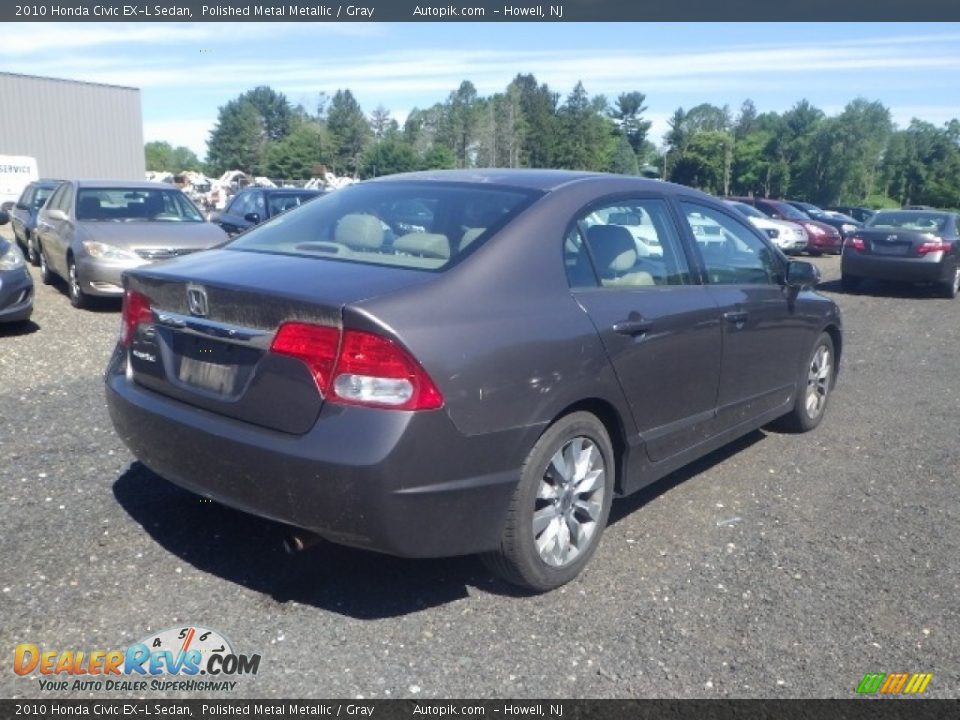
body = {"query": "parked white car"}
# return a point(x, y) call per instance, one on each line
point(788, 236)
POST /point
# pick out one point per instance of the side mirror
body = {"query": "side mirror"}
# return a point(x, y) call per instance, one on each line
point(4, 217)
point(57, 214)
point(213, 217)
point(802, 275)
point(252, 217)
point(8, 206)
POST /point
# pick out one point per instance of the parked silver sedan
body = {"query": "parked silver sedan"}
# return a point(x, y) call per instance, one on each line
point(90, 231)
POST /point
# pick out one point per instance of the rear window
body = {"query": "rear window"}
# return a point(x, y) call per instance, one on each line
point(919, 221)
point(425, 226)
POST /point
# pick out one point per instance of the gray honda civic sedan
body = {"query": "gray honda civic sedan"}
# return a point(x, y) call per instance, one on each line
point(458, 362)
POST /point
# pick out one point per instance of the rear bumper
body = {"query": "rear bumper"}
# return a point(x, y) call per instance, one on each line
point(16, 296)
point(918, 269)
point(407, 484)
point(825, 243)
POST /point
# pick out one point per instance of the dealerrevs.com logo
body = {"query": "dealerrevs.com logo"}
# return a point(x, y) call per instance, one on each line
point(184, 659)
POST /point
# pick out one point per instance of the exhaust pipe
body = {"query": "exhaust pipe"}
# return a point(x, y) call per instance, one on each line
point(300, 540)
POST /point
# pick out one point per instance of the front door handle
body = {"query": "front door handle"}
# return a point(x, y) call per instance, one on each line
point(738, 317)
point(632, 328)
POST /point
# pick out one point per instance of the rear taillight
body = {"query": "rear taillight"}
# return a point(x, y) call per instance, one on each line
point(934, 245)
point(315, 345)
point(857, 243)
point(359, 368)
point(136, 310)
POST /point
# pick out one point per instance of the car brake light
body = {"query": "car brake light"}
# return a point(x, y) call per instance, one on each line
point(359, 368)
point(934, 245)
point(857, 243)
point(315, 345)
point(136, 310)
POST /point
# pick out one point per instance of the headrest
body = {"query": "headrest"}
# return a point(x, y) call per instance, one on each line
point(430, 245)
point(613, 248)
point(362, 232)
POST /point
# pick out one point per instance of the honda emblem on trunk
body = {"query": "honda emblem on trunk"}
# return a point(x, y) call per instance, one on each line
point(197, 300)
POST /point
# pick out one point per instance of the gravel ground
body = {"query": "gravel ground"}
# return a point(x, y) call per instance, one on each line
point(782, 566)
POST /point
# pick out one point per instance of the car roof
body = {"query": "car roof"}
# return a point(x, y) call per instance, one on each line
point(532, 179)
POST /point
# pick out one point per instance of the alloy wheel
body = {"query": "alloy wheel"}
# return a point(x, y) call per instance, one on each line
point(818, 381)
point(569, 502)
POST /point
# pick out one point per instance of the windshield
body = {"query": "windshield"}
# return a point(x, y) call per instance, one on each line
point(135, 204)
point(423, 225)
point(919, 221)
point(790, 212)
point(747, 210)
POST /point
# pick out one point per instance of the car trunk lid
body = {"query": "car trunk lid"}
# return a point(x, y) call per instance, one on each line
point(213, 318)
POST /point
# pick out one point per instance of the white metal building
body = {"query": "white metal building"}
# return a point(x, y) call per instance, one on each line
point(74, 129)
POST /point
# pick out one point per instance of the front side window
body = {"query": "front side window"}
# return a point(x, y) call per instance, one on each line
point(732, 253)
point(420, 225)
point(625, 243)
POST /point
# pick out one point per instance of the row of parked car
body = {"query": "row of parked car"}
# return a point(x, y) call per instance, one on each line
point(88, 232)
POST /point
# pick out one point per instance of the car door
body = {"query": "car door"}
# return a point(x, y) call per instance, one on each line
point(45, 229)
point(232, 219)
point(61, 231)
point(630, 272)
point(763, 335)
point(20, 217)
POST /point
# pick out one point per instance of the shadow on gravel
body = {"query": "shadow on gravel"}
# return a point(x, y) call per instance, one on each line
point(26, 327)
point(883, 288)
point(246, 550)
point(625, 506)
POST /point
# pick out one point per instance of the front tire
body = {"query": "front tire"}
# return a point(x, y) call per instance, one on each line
point(46, 274)
point(814, 388)
point(560, 507)
point(33, 255)
point(78, 298)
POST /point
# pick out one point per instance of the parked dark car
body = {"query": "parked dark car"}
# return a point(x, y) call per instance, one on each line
point(821, 237)
point(254, 205)
point(905, 245)
point(90, 231)
point(860, 214)
point(486, 384)
point(16, 285)
point(843, 225)
point(23, 217)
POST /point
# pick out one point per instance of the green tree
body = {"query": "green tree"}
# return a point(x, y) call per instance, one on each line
point(295, 156)
point(586, 133)
point(623, 160)
point(389, 156)
point(163, 157)
point(350, 131)
point(628, 112)
point(539, 122)
point(237, 140)
point(276, 114)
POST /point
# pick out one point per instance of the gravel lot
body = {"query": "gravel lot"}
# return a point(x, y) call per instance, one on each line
point(782, 566)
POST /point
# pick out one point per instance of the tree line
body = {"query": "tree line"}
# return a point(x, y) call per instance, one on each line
point(857, 156)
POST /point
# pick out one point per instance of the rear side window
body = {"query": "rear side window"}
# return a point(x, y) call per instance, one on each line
point(425, 225)
point(627, 244)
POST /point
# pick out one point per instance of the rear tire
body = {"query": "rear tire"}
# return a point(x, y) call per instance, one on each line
point(951, 288)
point(849, 283)
point(813, 389)
point(560, 507)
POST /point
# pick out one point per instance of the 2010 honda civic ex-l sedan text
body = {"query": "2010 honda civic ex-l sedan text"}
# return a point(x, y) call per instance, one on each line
point(461, 362)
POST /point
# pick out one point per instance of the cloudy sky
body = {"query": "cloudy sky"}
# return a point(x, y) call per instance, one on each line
point(186, 71)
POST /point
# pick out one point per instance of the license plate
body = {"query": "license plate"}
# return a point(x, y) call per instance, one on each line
point(209, 376)
point(890, 249)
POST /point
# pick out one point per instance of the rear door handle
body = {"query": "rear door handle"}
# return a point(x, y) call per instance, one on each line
point(632, 328)
point(736, 316)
